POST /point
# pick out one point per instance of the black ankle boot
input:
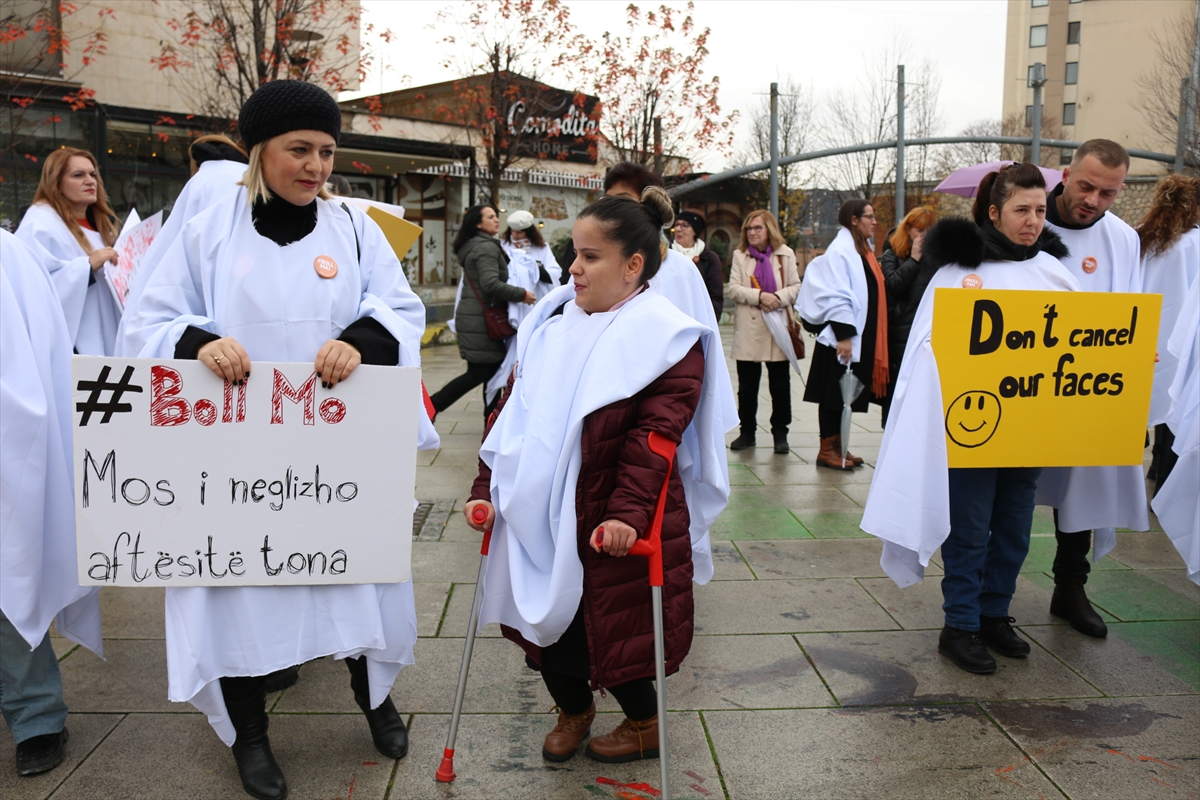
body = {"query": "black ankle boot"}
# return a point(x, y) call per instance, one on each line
point(1071, 603)
point(261, 776)
point(387, 728)
point(966, 650)
point(781, 444)
point(742, 442)
point(998, 635)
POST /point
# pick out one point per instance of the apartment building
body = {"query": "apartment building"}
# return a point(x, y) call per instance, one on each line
point(1095, 51)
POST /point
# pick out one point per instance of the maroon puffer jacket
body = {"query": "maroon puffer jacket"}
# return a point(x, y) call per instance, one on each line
point(620, 479)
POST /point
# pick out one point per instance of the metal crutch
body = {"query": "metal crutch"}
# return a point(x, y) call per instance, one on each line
point(651, 548)
point(445, 772)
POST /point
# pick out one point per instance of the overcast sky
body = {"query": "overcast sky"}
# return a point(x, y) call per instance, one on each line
point(819, 43)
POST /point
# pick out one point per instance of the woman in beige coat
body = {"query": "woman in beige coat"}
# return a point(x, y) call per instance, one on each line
point(764, 278)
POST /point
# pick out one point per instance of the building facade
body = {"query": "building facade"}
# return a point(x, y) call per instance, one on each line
point(1095, 52)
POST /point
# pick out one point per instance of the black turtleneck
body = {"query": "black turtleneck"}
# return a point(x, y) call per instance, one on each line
point(282, 222)
point(998, 247)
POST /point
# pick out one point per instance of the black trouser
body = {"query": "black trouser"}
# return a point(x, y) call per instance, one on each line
point(778, 381)
point(1071, 557)
point(573, 695)
point(829, 417)
point(476, 375)
point(241, 688)
point(1163, 441)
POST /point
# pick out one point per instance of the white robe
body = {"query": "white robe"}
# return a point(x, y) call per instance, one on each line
point(1170, 274)
point(522, 273)
point(908, 506)
point(91, 312)
point(39, 578)
point(1177, 503)
point(541, 255)
point(222, 276)
point(569, 366)
point(835, 290)
point(1100, 499)
point(213, 182)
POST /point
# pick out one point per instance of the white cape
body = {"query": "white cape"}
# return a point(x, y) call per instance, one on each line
point(39, 578)
point(1103, 258)
point(534, 580)
point(91, 312)
point(909, 503)
point(1169, 274)
point(222, 276)
point(213, 182)
point(523, 273)
point(835, 290)
point(1177, 503)
point(543, 256)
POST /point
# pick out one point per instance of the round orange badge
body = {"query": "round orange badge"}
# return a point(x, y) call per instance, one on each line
point(325, 266)
point(1089, 265)
point(972, 281)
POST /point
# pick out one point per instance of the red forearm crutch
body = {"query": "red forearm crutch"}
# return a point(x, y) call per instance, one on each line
point(651, 548)
point(445, 772)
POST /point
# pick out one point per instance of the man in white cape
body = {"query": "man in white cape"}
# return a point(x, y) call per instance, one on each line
point(39, 579)
point(1104, 258)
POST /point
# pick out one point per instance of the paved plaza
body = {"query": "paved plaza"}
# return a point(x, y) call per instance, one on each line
point(811, 675)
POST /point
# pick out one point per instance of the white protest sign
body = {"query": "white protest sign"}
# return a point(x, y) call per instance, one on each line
point(136, 236)
point(184, 480)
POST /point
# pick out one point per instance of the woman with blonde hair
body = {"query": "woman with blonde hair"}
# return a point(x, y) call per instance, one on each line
point(279, 272)
point(905, 279)
point(1170, 261)
point(764, 278)
point(71, 229)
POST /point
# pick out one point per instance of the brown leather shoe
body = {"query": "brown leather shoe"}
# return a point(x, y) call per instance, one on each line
point(853, 459)
point(831, 456)
point(563, 742)
point(630, 741)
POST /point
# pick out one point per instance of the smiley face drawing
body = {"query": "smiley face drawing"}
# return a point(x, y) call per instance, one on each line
point(972, 418)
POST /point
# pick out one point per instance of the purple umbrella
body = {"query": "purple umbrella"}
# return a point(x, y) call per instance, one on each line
point(965, 181)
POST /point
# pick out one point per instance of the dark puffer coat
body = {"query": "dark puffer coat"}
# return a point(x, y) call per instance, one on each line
point(620, 479)
point(905, 280)
point(483, 262)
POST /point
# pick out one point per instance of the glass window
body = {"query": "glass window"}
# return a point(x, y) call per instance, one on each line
point(1028, 116)
point(1074, 1)
point(1068, 114)
point(1072, 73)
point(1064, 156)
point(1040, 3)
point(1072, 33)
point(1037, 35)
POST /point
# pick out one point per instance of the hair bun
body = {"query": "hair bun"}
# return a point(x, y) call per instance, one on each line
point(656, 200)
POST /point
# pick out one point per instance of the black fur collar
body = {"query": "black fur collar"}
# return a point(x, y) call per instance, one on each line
point(955, 240)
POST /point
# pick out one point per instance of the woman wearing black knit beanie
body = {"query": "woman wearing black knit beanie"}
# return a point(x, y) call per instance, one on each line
point(281, 272)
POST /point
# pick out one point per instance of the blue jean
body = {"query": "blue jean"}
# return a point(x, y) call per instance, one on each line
point(31, 694)
point(991, 513)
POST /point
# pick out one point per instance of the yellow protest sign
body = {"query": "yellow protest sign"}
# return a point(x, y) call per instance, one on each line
point(1045, 379)
point(400, 233)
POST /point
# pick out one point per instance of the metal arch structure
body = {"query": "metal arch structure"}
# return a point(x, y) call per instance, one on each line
point(682, 189)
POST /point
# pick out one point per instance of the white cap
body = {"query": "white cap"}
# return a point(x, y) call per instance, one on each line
point(520, 220)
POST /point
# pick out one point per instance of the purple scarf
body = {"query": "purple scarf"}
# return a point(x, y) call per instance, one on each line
point(764, 273)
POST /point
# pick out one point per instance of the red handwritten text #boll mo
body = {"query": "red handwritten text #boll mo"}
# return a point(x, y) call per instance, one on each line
point(168, 408)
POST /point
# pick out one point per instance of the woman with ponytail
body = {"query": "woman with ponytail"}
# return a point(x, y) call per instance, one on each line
point(844, 302)
point(981, 518)
point(71, 229)
point(569, 483)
